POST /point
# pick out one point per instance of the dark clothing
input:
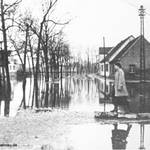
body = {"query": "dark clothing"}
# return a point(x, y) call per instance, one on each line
point(120, 101)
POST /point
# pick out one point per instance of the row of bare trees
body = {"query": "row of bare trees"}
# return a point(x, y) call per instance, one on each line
point(36, 41)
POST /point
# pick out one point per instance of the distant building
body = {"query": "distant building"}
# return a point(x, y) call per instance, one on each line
point(14, 66)
point(127, 52)
point(100, 56)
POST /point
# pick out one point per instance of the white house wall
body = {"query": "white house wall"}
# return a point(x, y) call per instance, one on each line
point(13, 68)
point(102, 71)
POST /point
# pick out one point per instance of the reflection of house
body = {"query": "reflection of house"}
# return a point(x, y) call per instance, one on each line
point(128, 53)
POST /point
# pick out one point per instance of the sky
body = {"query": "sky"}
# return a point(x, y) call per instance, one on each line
point(91, 20)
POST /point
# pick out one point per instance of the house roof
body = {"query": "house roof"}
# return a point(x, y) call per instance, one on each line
point(105, 50)
point(117, 58)
point(116, 48)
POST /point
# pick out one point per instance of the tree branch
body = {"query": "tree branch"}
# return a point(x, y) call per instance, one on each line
point(17, 49)
point(58, 23)
point(8, 19)
point(9, 27)
point(49, 8)
point(13, 4)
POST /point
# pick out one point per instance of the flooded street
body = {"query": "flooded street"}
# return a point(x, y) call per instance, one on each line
point(70, 124)
point(74, 94)
point(74, 75)
point(85, 94)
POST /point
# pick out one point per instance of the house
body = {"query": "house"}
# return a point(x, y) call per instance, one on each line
point(13, 65)
point(127, 52)
point(102, 51)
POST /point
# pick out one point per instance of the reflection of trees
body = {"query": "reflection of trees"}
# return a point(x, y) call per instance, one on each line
point(59, 98)
point(52, 94)
point(75, 85)
point(55, 95)
point(119, 137)
point(4, 96)
point(88, 85)
point(46, 95)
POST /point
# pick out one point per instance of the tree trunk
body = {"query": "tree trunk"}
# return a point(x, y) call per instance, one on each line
point(32, 59)
point(45, 51)
point(37, 67)
point(6, 51)
point(24, 69)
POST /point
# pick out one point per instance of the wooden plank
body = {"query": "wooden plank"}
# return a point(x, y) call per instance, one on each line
point(119, 115)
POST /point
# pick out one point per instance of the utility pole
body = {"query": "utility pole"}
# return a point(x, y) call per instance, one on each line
point(104, 72)
point(142, 57)
point(104, 64)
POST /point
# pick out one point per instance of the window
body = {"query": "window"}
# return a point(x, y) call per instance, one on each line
point(106, 88)
point(102, 67)
point(106, 67)
point(112, 69)
point(132, 68)
point(15, 61)
point(14, 67)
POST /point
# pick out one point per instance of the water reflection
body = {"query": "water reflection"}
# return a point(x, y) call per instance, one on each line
point(4, 98)
point(46, 147)
point(121, 136)
point(80, 94)
point(136, 102)
point(83, 95)
point(142, 131)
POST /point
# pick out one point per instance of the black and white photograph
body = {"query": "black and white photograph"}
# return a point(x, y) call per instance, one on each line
point(74, 75)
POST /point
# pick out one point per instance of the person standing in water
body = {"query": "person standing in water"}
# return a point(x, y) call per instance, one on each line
point(120, 90)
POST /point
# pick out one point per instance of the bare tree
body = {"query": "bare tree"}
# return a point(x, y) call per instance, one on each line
point(43, 42)
point(47, 48)
point(7, 17)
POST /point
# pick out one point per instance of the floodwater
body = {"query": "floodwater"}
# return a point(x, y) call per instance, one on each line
point(76, 94)
point(84, 94)
point(110, 136)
